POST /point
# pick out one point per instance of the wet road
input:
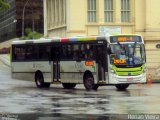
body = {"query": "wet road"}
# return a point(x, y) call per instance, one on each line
point(22, 98)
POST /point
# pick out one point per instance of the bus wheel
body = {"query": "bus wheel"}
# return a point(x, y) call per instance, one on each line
point(69, 85)
point(39, 80)
point(95, 87)
point(89, 82)
point(47, 85)
point(122, 86)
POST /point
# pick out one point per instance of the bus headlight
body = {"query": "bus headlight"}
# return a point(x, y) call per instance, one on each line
point(112, 71)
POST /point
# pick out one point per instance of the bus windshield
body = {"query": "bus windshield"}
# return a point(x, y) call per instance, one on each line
point(127, 54)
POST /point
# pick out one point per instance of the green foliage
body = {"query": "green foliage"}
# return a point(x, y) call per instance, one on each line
point(27, 31)
point(29, 34)
point(4, 5)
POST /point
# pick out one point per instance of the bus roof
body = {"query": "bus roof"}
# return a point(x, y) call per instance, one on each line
point(32, 41)
point(70, 39)
point(49, 40)
point(124, 35)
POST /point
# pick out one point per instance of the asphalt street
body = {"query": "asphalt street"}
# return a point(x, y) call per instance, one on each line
point(24, 101)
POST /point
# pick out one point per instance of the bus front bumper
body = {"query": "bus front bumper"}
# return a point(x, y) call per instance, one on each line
point(115, 79)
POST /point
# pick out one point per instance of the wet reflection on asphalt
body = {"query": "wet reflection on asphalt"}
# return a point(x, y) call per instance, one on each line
point(24, 99)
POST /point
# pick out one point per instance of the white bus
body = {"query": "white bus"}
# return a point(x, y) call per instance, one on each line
point(93, 61)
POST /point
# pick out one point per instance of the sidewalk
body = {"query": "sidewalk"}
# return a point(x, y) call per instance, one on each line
point(5, 58)
point(7, 43)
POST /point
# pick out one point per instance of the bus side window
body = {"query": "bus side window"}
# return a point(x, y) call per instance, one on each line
point(89, 51)
point(31, 52)
point(82, 51)
point(19, 53)
point(44, 51)
point(64, 52)
point(76, 52)
point(69, 52)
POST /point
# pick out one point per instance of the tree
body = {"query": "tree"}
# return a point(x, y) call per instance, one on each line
point(4, 5)
point(29, 34)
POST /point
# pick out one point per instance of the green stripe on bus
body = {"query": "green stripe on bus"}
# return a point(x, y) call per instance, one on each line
point(128, 71)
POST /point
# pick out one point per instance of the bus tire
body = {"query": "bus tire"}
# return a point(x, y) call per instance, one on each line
point(39, 80)
point(69, 85)
point(122, 86)
point(89, 82)
point(47, 85)
point(95, 87)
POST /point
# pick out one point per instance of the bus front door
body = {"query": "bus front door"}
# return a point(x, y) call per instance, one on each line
point(55, 64)
point(102, 62)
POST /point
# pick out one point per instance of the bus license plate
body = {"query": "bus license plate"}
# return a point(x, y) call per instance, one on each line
point(131, 78)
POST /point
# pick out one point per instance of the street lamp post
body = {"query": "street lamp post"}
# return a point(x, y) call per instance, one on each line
point(23, 18)
point(32, 23)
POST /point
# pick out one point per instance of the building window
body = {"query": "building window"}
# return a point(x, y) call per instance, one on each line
point(56, 12)
point(108, 10)
point(91, 10)
point(125, 10)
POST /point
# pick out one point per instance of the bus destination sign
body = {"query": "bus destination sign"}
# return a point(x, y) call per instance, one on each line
point(125, 39)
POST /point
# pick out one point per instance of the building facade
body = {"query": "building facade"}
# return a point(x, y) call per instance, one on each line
point(11, 19)
point(8, 22)
point(66, 18)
